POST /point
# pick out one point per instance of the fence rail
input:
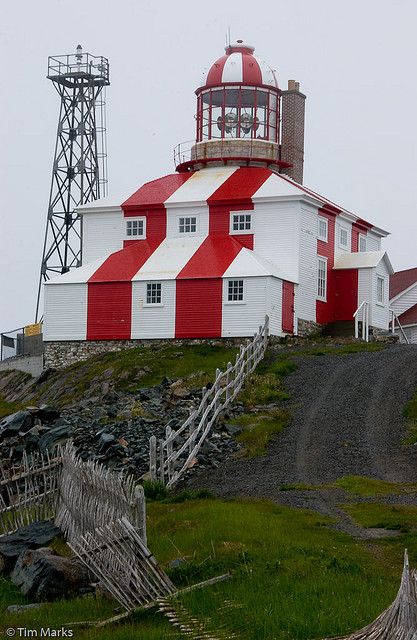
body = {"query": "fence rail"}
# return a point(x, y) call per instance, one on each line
point(170, 458)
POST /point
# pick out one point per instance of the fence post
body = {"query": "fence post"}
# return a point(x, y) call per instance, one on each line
point(161, 462)
point(152, 458)
point(229, 366)
point(168, 433)
point(141, 510)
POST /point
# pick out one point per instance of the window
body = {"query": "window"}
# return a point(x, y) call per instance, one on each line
point(321, 279)
point(362, 243)
point(135, 228)
point(235, 291)
point(188, 225)
point(154, 293)
point(241, 223)
point(322, 232)
point(380, 290)
point(343, 237)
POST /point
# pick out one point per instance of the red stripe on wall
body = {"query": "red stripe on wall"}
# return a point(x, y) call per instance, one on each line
point(356, 230)
point(325, 310)
point(199, 308)
point(156, 192)
point(251, 71)
point(109, 311)
point(288, 306)
point(240, 186)
point(245, 239)
point(211, 259)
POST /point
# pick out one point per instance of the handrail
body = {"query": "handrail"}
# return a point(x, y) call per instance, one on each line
point(395, 318)
point(364, 307)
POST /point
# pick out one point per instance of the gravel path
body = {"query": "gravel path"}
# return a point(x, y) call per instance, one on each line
point(347, 420)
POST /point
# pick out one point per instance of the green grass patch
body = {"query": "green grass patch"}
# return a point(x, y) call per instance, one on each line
point(362, 486)
point(382, 516)
point(410, 412)
point(344, 349)
point(263, 388)
point(259, 429)
point(6, 408)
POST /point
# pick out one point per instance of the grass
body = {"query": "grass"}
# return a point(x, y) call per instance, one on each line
point(362, 486)
point(134, 368)
point(345, 349)
point(382, 516)
point(258, 429)
point(410, 412)
point(292, 575)
point(6, 408)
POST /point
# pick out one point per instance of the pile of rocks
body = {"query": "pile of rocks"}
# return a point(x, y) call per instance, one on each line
point(39, 572)
point(114, 429)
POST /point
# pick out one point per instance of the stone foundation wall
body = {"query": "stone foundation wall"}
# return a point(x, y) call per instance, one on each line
point(307, 328)
point(61, 354)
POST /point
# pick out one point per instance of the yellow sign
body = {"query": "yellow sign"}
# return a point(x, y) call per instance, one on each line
point(33, 329)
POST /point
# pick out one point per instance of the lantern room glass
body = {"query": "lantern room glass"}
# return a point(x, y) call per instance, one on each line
point(238, 112)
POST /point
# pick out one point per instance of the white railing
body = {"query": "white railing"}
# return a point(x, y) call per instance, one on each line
point(394, 318)
point(362, 315)
point(170, 458)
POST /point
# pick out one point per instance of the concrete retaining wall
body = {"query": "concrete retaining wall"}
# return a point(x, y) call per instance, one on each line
point(28, 364)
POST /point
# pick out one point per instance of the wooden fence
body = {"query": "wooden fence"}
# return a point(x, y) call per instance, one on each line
point(170, 458)
point(29, 491)
point(118, 557)
point(91, 496)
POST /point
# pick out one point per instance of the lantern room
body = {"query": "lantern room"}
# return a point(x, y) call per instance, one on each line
point(240, 98)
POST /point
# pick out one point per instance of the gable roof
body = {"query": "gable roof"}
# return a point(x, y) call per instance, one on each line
point(402, 280)
point(409, 316)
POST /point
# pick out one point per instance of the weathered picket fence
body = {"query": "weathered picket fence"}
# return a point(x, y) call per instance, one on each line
point(170, 458)
point(91, 496)
point(29, 491)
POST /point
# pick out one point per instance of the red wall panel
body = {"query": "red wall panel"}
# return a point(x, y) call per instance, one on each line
point(325, 310)
point(199, 308)
point(288, 306)
point(109, 311)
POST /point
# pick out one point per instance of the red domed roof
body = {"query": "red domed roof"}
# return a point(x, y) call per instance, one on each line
point(240, 66)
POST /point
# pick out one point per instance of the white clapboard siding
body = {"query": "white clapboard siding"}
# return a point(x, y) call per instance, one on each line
point(103, 233)
point(380, 313)
point(274, 306)
point(341, 223)
point(305, 301)
point(201, 212)
point(65, 312)
point(364, 286)
point(405, 301)
point(373, 241)
point(153, 321)
point(277, 235)
point(410, 332)
point(244, 318)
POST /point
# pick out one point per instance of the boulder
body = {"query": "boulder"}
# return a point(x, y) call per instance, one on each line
point(34, 535)
point(47, 413)
point(22, 608)
point(61, 431)
point(106, 440)
point(20, 421)
point(43, 575)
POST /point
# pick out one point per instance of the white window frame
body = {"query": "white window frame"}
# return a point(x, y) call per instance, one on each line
point(153, 304)
point(190, 217)
point(238, 214)
point(227, 291)
point(132, 236)
point(323, 298)
point(380, 278)
point(323, 237)
point(362, 238)
point(341, 245)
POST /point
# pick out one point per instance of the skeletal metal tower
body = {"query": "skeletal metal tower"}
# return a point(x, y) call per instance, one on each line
point(79, 170)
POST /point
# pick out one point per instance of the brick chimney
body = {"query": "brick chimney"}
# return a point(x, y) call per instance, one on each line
point(292, 136)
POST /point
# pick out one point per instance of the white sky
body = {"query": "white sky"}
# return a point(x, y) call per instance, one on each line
point(356, 62)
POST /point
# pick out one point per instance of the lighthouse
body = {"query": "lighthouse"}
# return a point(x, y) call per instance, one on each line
point(229, 237)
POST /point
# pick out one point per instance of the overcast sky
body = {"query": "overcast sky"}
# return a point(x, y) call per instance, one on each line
point(356, 62)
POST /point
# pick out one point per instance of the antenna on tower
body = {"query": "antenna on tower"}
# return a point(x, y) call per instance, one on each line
point(228, 35)
point(79, 171)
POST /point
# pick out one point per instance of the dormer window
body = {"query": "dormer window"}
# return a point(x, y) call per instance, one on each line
point(343, 238)
point(323, 231)
point(187, 225)
point(241, 223)
point(362, 243)
point(135, 228)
